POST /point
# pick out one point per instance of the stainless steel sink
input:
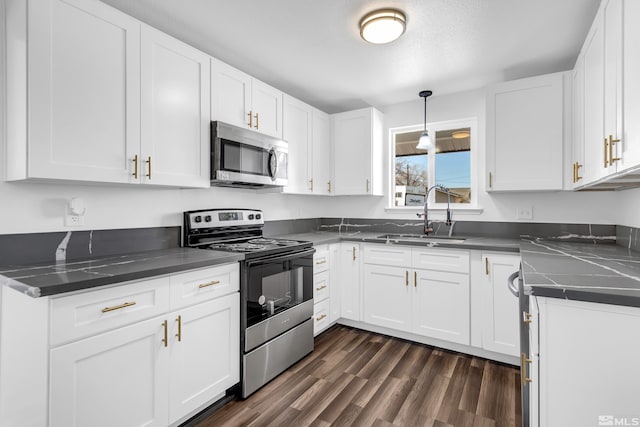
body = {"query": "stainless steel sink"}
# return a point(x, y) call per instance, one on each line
point(421, 238)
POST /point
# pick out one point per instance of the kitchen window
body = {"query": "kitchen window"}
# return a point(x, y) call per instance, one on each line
point(451, 164)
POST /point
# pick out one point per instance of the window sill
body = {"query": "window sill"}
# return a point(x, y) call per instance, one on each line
point(404, 210)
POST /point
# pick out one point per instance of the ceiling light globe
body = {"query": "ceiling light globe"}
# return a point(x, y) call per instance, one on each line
point(382, 26)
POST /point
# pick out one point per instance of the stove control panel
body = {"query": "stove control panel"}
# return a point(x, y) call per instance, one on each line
point(224, 218)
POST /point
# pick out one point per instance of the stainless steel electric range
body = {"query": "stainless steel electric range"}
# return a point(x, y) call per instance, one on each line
point(276, 290)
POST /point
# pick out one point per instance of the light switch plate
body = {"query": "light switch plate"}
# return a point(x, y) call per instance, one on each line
point(524, 212)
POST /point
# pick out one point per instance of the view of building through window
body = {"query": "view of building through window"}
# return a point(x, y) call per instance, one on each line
point(416, 170)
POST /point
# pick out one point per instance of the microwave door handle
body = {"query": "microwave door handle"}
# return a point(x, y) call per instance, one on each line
point(281, 258)
point(511, 285)
point(273, 163)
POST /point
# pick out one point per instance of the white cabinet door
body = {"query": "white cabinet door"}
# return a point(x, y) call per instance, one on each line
point(83, 91)
point(612, 16)
point(500, 314)
point(321, 153)
point(350, 280)
point(588, 363)
point(577, 146)
point(266, 105)
point(335, 289)
point(175, 112)
point(594, 146)
point(118, 378)
point(297, 131)
point(357, 152)
point(525, 134)
point(387, 296)
point(630, 153)
point(441, 305)
point(205, 358)
point(230, 95)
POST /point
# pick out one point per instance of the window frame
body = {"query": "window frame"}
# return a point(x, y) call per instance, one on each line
point(472, 124)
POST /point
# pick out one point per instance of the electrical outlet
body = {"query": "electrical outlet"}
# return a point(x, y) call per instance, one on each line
point(71, 220)
point(525, 212)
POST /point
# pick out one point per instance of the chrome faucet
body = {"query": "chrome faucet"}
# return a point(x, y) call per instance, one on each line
point(427, 225)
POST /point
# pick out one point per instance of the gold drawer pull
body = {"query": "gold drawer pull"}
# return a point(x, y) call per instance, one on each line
point(321, 288)
point(354, 253)
point(319, 318)
point(486, 266)
point(415, 279)
point(406, 278)
point(250, 119)
point(179, 334)
point(165, 337)
point(311, 184)
point(257, 121)
point(135, 166)
point(322, 261)
point(523, 373)
point(148, 162)
point(527, 317)
point(329, 185)
point(118, 307)
point(211, 283)
point(611, 142)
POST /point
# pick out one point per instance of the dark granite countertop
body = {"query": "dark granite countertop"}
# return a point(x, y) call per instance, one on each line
point(603, 273)
point(479, 243)
point(56, 278)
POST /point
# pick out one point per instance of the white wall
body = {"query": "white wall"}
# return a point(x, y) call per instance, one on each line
point(627, 208)
point(566, 207)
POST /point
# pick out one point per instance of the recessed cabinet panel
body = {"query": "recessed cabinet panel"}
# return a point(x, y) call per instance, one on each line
point(387, 295)
point(230, 94)
point(322, 169)
point(266, 104)
point(297, 123)
point(350, 281)
point(630, 147)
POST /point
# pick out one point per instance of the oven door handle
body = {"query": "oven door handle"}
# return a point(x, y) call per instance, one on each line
point(280, 258)
point(513, 288)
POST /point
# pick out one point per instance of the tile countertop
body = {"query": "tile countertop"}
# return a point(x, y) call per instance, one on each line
point(479, 243)
point(603, 273)
point(56, 278)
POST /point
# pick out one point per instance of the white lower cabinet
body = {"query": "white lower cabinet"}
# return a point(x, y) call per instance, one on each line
point(350, 281)
point(499, 307)
point(387, 296)
point(326, 290)
point(138, 362)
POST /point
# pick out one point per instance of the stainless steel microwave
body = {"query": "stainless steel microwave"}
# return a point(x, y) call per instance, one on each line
point(245, 158)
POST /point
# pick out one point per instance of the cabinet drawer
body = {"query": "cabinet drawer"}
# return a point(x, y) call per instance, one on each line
point(321, 318)
point(321, 286)
point(202, 285)
point(93, 312)
point(321, 260)
point(454, 261)
point(387, 255)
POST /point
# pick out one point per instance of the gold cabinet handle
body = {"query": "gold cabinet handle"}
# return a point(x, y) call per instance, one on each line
point(322, 261)
point(319, 318)
point(165, 339)
point(573, 179)
point(367, 185)
point(329, 186)
point(611, 142)
point(578, 166)
point(523, 364)
point(211, 283)
point(118, 307)
point(311, 184)
point(257, 121)
point(606, 143)
point(179, 334)
point(354, 253)
point(321, 288)
point(148, 162)
point(486, 266)
point(415, 279)
point(135, 166)
point(490, 180)
point(527, 317)
point(250, 119)
point(406, 278)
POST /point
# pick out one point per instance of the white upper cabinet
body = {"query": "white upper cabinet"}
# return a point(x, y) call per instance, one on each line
point(107, 100)
point(175, 112)
point(357, 149)
point(297, 131)
point(629, 150)
point(80, 117)
point(240, 100)
point(308, 132)
point(525, 134)
point(321, 154)
point(577, 110)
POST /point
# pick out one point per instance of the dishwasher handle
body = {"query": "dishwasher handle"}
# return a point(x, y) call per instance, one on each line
point(513, 288)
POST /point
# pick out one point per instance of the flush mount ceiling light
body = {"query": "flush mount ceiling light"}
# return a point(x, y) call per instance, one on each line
point(460, 134)
point(382, 26)
point(425, 143)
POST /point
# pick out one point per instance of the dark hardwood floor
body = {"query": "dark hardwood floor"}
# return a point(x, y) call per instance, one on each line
point(357, 378)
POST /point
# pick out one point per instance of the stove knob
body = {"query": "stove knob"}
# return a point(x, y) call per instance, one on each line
point(250, 216)
point(258, 216)
point(198, 218)
point(207, 218)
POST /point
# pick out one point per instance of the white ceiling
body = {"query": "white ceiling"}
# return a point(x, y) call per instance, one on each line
point(312, 49)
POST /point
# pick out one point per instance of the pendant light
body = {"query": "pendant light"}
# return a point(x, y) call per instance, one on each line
point(425, 143)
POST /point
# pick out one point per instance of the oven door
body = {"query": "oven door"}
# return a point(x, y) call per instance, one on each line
point(276, 284)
